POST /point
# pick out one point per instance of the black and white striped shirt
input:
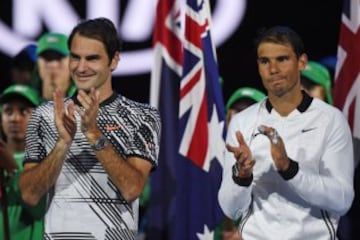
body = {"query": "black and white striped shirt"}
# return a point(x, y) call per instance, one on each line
point(84, 203)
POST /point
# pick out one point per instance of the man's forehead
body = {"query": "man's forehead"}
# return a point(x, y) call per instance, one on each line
point(274, 46)
point(275, 51)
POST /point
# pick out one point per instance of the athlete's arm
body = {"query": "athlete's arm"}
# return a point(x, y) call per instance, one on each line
point(128, 175)
point(38, 178)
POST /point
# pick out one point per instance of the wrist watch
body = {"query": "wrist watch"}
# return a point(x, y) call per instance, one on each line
point(100, 143)
point(241, 181)
point(235, 170)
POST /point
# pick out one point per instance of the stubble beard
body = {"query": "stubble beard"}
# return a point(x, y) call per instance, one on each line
point(281, 90)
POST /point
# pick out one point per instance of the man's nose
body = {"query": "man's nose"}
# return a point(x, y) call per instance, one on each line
point(273, 67)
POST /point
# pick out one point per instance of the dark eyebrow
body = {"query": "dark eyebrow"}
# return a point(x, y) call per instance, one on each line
point(278, 58)
point(89, 57)
point(73, 55)
point(93, 57)
point(282, 57)
point(263, 59)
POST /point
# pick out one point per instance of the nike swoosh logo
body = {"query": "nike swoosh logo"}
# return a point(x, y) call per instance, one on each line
point(307, 129)
point(112, 127)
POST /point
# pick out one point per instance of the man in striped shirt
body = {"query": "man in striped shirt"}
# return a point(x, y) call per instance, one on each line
point(92, 153)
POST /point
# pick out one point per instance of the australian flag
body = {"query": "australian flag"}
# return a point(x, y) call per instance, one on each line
point(186, 88)
point(347, 74)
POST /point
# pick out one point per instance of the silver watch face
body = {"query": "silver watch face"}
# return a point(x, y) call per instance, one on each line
point(235, 170)
point(99, 144)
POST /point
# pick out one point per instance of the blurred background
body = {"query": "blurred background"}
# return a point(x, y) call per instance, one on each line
point(235, 23)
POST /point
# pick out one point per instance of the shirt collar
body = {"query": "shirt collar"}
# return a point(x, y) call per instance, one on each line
point(302, 107)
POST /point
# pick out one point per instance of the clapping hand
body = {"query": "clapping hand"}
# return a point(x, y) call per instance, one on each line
point(278, 151)
point(243, 156)
point(64, 118)
point(89, 110)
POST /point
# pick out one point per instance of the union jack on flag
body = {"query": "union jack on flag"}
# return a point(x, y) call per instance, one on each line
point(186, 88)
point(347, 74)
point(201, 103)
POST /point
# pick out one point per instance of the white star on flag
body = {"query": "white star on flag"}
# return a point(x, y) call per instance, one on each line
point(207, 235)
point(216, 142)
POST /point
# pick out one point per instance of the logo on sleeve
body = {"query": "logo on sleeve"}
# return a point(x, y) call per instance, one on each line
point(308, 129)
point(111, 127)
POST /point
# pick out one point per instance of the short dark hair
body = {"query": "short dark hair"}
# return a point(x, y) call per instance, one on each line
point(101, 29)
point(281, 35)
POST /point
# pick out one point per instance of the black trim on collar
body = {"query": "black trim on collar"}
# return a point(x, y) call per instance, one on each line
point(103, 103)
point(305, 103)
point(267, 105)
point(302, 107)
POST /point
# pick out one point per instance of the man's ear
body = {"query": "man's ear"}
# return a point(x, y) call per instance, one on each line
point(115, 60)
point(303, 59)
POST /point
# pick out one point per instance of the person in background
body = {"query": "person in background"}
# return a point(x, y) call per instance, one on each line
point(90, 154)
point(316, 81)
point(24, 223)
point(23, 65)
point(289, 166)
point(239, 100)
point(330, 63)
point(52, 70)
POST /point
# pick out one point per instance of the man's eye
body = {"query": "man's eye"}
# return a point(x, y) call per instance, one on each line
point(283, 58)
point(92, 58)
point(7, 111)
point(263, 61)
point(74, 57)
point(25, 111)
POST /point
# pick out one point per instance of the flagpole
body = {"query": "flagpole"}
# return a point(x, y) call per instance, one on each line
point(4, 206)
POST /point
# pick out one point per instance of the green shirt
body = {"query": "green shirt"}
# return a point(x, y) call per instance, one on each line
point(25, 222)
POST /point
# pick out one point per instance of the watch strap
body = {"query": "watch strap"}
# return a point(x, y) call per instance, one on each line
point(241, 181)
point(99, 144)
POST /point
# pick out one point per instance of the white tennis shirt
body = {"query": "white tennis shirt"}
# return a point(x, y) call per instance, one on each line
point(307, 206)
